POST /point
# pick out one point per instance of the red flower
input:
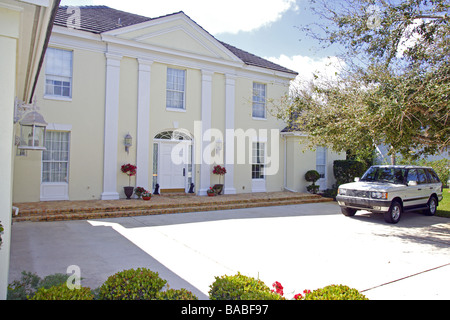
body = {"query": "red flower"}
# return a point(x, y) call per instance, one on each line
point(219, 170)
point(278, 288)
point(298, 296)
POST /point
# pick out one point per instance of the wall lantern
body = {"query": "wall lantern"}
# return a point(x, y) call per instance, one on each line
point(32, 127)
point(128, 141)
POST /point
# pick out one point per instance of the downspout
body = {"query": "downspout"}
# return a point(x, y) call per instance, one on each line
point(44, 49)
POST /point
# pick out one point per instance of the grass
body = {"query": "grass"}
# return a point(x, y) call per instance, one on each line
point(444, 205)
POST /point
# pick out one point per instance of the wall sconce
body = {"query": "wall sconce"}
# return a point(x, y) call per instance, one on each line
point(128, 141)
point(32, 127)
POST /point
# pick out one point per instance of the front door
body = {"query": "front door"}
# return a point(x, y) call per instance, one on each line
point(173, 166)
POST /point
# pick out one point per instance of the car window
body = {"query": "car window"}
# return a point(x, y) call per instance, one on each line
point(384, 174)
point(421, 176)
point(433, 177)
point(412, 175)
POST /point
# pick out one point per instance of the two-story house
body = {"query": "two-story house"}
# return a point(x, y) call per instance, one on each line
point(163, 94)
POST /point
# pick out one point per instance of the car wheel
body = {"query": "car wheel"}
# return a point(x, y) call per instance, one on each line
point(349, 212)
point(394, 213)
point(431, 207)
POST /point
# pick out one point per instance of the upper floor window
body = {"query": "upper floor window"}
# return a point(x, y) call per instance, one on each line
point(259, 100)
point(176, 88)
point(58, 73)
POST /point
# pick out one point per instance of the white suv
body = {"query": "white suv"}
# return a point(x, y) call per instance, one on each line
point(392, 190)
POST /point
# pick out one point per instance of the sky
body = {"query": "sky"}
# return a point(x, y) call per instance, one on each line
point(266, 28)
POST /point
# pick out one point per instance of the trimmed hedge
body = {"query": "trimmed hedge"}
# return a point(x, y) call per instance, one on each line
point(62, 292)
point(346, 170)
point(139, 284)
point(335, 292)
point(237, 287)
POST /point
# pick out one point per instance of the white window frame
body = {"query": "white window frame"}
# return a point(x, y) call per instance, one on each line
point(261, 147)
point(259, 100)
point(56, 160)
point(62, 73)
point(172, 88)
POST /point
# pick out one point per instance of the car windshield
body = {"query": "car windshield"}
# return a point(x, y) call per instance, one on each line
point(385, 174)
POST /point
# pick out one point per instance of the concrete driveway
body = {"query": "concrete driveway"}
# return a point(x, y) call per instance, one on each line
point(304, 246)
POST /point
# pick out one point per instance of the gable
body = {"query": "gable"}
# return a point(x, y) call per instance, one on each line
point(176, 32)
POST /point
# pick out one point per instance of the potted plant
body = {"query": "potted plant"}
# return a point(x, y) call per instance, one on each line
point(129, 170)
point(312, 176)
point(139, 191)
point(211, 192)
point(220, 171)
point(146, 195)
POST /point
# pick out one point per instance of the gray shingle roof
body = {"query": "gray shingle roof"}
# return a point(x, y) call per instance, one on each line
point(99, 19)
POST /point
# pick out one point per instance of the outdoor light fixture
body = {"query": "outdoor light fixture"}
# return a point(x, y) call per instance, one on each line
point(32, 127)
point(128, 142)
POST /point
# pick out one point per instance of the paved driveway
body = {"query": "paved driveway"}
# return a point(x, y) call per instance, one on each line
point(302, 246)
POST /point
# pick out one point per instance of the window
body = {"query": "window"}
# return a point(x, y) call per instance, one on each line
point(55, 160)
point(258, 160)
point(175, 92)
point(259, 100)
point(321, 161)
point(58, 73)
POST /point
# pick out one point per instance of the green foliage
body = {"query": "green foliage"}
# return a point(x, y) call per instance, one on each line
point(172, 294)
point(62, 292)
point(237, 287)
point(29, 283)
point(139, 284)
point(262, 295)
point(346, 170)
point(312, 176)
point(335, 292)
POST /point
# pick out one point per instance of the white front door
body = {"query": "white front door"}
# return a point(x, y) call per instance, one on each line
point(173, 168)
point(258, 167)
point(55, 166)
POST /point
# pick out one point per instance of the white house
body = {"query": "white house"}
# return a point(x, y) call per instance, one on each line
point(187, 100)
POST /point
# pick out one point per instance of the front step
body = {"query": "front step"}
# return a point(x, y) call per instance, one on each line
point(149, 208)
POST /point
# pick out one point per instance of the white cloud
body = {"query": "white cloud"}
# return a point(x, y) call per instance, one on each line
point(214, 16)
point(307, 66)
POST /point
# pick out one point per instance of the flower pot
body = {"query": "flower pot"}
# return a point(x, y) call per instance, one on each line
point(212, 194)
point(218, 188)
point(146, 198)
point(128, 191)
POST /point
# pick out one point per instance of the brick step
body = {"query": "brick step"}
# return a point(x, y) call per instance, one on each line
point(136, 204)
point(163, 209)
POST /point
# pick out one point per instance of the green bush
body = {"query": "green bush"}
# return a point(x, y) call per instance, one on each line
point(172, 294)
point(262, 295)
point(237, 287)
point(139, 284)
point(335, 292)
point(62, 292)
point(312, 176)
point(346, 170)
point(29, 283)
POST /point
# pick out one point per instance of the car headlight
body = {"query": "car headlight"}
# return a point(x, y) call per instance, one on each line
point(342, 192)
point(378, 195)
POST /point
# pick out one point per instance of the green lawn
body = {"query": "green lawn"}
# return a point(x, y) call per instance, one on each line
point(444, 205)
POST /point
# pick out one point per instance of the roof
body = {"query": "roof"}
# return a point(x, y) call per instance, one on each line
point(99, 19)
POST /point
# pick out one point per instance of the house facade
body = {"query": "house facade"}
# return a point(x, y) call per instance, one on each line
point(162, 94)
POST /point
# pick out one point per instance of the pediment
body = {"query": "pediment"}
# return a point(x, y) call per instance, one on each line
point(175, 32)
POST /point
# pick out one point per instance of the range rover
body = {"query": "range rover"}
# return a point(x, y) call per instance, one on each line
point(392, 190)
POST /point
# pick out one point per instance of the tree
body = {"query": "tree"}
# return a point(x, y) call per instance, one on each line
point(394, 86)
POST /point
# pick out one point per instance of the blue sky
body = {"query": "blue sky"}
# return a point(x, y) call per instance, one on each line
point(267, 28)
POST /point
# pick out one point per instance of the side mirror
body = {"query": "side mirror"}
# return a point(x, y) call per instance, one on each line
point(412, 183)
point(356, 179)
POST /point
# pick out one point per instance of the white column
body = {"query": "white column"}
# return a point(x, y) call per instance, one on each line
point(110, 166)
point(205, 166)
point(143, 128)
point(230, 101)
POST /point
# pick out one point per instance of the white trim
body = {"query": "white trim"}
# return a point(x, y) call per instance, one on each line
point(59, 127)
point(230, 105)
point(205, 167)
point(58, 98)
point(143, 120)
point(111, 127)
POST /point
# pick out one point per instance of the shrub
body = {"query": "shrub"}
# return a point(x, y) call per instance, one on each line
point(172, 294)
point(139, 284)
point(262, 295)
point(237, 287)
point(335, 292)
point(312, 176)
point(346, 170)
point(62, 292)
point(29, 283)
